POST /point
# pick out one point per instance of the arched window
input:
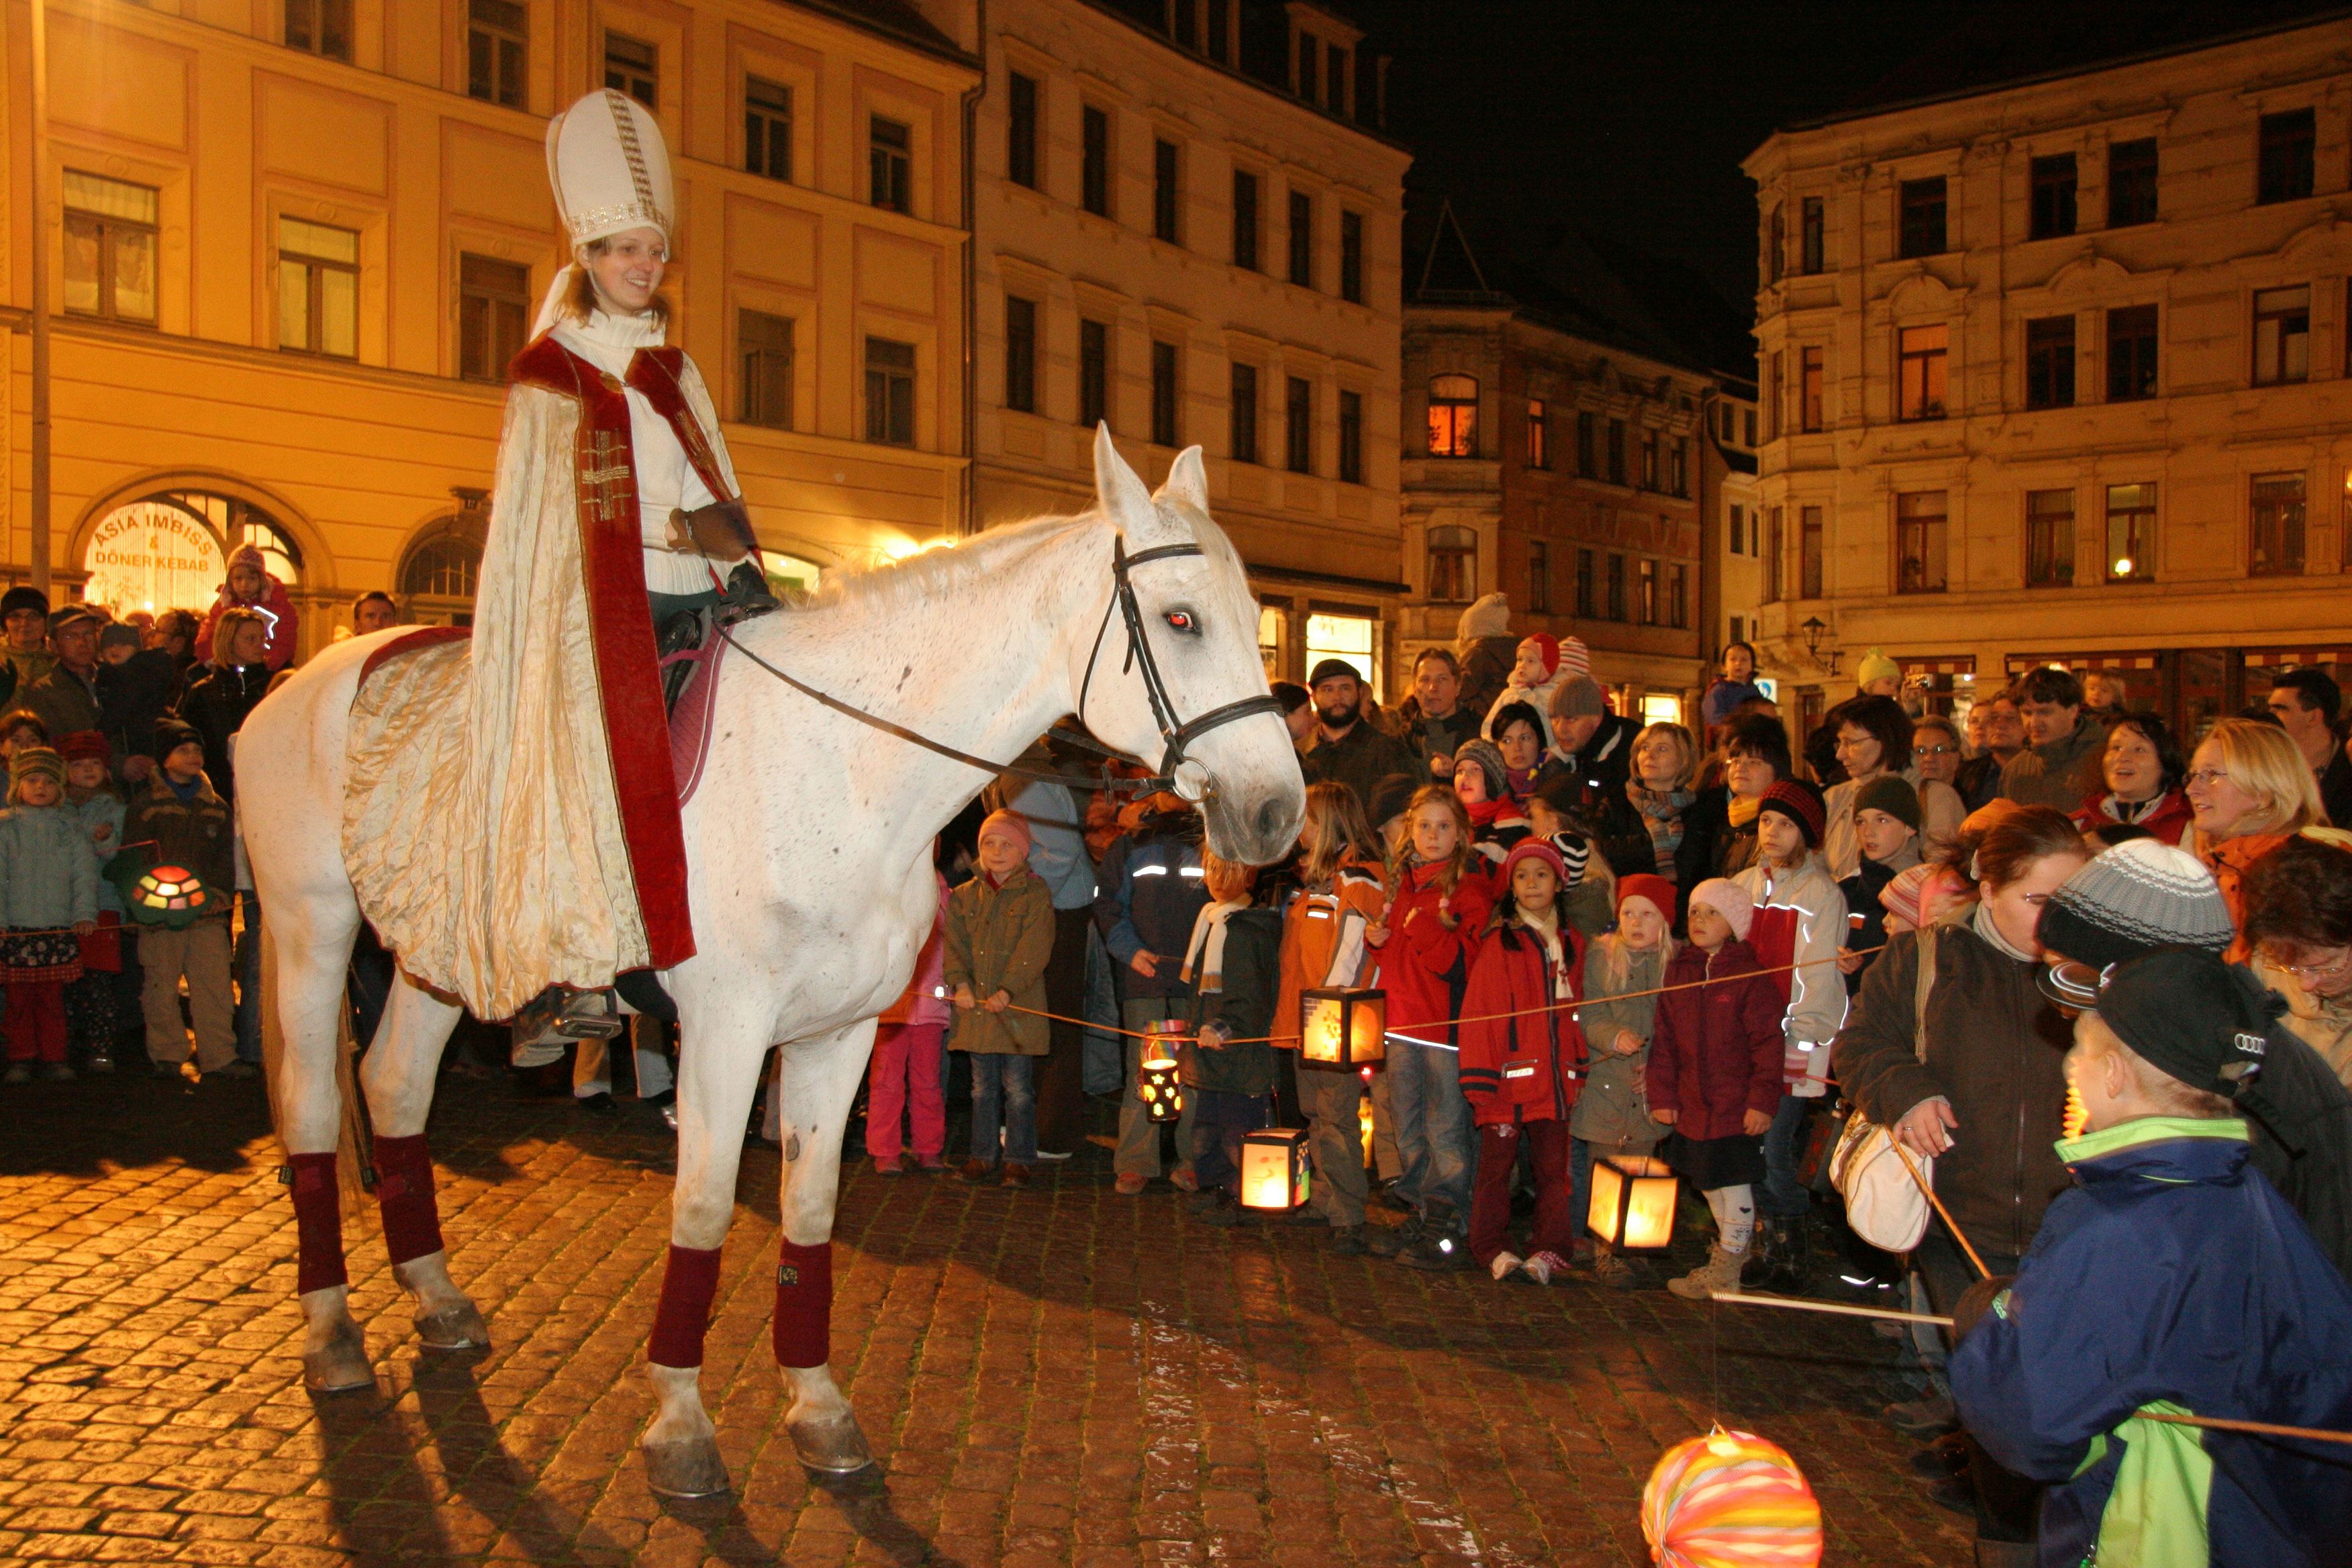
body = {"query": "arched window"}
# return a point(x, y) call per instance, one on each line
point(170, 550)
point(1452, 416)
point(441, 571)
point(1453, 564)
point(241, 523)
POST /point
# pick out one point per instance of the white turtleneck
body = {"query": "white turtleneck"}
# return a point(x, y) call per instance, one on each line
point(664, 479)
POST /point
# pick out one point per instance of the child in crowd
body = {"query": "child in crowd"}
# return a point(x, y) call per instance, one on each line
point(1439, 903)
point(1522, 1064)
point(1324, 942)
point(48, 896)
point(1000, 934)
point(1542, 663)
point(1234, 963)
point(1481, 781)
point(1622, 975)
point(179, 820)
point(2171, 1280)
point(1715, 1073)
point(1148, 893)
point(96, 1007)
point(21, 729)
point(1552, 813)
point(904, 1079)
point(1922, 895)
point(1886, 818)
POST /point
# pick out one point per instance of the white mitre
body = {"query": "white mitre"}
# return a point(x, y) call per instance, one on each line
point(609, 167)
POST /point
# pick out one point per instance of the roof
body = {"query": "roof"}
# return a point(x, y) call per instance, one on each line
point(2015, 43)
point(899, 19)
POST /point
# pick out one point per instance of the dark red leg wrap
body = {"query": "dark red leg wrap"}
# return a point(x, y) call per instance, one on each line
point(804, 1326)
point(318, 1223)
point(404, 1191)
point(690, 1284)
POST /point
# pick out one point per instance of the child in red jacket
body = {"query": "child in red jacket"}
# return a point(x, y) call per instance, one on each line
point(1715, 1073)
point(1520, 1072)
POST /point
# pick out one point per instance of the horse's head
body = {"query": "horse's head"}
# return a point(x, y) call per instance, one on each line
point(1194, 667)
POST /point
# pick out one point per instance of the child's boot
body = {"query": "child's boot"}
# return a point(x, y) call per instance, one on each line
point(1719, 1272)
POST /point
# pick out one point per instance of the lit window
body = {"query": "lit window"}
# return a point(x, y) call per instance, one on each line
point(1920, 526)
point(2131, 533)
point(110, 248)
point(1356, 638)
point(318, 288)
point(1920, 356)
point(1538, 434)
point(1452, 416)
point(2277, 517)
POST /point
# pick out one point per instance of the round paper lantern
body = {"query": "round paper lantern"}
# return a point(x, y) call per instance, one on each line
point(169, 896)
point(1730, 1500)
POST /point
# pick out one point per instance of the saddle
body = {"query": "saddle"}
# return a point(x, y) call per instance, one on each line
point(691, 649)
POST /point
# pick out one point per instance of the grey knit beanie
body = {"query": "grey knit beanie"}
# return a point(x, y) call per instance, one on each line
point(2138, 895)
point(1580, 698)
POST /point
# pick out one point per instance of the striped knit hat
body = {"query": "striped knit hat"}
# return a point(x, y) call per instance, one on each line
point(2138, 895)
point(1801, 803)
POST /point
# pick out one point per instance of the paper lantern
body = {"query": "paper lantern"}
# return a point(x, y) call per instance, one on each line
point(1159, 1086)
point(1342, 1026)
point(169, 896)
point(1632, 1203)
point(1730, 1500)
point(1275, 1169)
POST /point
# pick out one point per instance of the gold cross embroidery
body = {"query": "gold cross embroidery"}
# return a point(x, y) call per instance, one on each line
point(604, 479)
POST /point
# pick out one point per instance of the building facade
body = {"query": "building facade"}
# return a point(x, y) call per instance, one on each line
point(1731, 546)
point(1187, 226)
point(2061, 370)
point(293, 245)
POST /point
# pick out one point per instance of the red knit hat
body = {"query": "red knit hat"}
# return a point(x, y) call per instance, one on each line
point(1548, 647)
point(1802, 804)
point(85, 745)
point(1656, 891)
point(1533, 849)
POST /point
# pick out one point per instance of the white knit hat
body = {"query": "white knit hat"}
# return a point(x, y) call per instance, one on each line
point(1731, 901)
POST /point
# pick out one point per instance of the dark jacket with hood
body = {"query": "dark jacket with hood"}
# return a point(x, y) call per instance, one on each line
point(215, 705)
point(1150, 890)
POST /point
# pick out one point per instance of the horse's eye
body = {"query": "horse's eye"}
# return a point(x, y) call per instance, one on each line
point(1181, 620)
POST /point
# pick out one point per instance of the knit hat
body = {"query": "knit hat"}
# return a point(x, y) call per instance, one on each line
point(35, 762)
point(2137, 897)
point(1575, 658)
point(1902, 897)
point(1533, 849)
point(1391, 795)
point(1489, 616)
point(1891, 794)
point(1578, 696)
point(21, 597)
point(1801, 803)
point(85, 745)
point(2207, 1022)
point(1004, 824)
point(246, 555)
point(1656, 891)
point(1875, 666)
point(1575, 852)
point(1331, 669)
point(1727, 899)
point(1489, 758)
point(170, 734)
point(117, 634)
point(1548, 649)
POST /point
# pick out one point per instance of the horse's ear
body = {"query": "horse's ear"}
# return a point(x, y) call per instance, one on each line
point(1117, 491)
point(1188, 481)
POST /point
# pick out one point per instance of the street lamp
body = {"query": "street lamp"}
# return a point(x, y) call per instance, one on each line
point(1815, 629)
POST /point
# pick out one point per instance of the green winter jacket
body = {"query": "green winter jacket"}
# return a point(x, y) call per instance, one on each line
point(1613, 1111)
point(999, 938)
point(48, 873)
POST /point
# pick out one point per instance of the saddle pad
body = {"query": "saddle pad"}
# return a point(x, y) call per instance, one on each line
point(691, 721)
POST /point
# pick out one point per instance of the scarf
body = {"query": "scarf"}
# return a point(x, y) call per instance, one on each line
point(1483, 812)
point(1662, 813)
point(1520, 782)
point(2117, 810)
point(1982, 922)
point(1205, 955)
point(1741, 811)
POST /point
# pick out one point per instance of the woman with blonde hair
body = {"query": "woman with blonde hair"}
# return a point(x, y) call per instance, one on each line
point(1638, 827)
point(2249, 789)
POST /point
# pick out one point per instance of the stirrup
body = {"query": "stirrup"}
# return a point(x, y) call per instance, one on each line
point(557, 1017)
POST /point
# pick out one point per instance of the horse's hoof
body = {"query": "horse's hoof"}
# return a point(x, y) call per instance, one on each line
point(458, 1328)
point(831, 1444)
point(340, 1367)
point(689, 1468)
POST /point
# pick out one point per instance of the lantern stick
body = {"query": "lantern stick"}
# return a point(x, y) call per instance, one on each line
point(1747, 1299)
point(2259, 1428)
point(1895, 1143)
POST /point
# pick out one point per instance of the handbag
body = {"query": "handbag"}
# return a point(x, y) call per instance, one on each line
point(1884, 1205)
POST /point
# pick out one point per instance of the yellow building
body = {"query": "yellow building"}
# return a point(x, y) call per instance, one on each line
point(293, 244)
point(2061, 370)
point(1186, 224)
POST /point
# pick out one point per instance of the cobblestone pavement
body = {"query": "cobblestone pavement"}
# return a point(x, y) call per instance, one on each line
point(1055, 1376)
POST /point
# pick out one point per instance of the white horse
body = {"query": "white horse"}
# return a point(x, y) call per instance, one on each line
point(808, 842)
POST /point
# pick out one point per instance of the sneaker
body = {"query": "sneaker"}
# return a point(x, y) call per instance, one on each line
point(927, 1164)
point(58, 1072)
point(99, 1062)
point(1441, 1247)
point(1384, 1196)
point(1543, 1268)
point(1923, 1418)
point(236, 1070)
point(599, 1104)
point(18, 1072)
point(1956, 1493)
point(1389, 1240)
point(1017, 1175)
point(1183, 1179)
point(1505, 1265)
point(1348, 1241)
point(1048, 1154)
point(976, 1170)
point(887, 1165)
point(1129, 1185)
point(1617, 1271)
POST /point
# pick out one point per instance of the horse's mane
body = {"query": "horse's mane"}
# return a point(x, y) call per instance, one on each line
point(933, 574)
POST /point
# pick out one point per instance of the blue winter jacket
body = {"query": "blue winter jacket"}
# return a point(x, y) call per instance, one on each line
point(2170, 1278)
point(1150, 890)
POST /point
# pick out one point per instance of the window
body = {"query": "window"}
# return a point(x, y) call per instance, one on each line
point(1302, 240)
point(1243, 433)
point(1163, 393)
point(1217, 31)
point(890, 163)
point(1748, 422)
point(889, 392)
point(1245, 220)
point(110, 248)
point(1310, 54)
point(1584, 585)
point(1775, 378)
point(1538, 434)
point(2050, 362)
point(765, 344)
point(1811, 547)
point(1678, 596)
point(1021, 354)
point(767, 128)
point(2131, 353)
point(1678, 468)
point(1922, 223)
point(2282, 170)
point(1453, 564)
point(1616, 588)
point(2131, 182)
point(1299, 427)
point(1184, 20)
point(1808, 388)
point(1646, 590)
point(1094, 159)
point(1649, 460)
point(1919, 542)
point(1772, 558)
point(1920, 353)
point(1736, 519)
point(446, 566)
point(318, 288)
point(2049, 538)
point(1165, 191)
point(2131, 533)
point(497, 51)
point(1616, 451)
point(319, 27)
point(1352, 257)
point(2277, 517)
point(1452, 416)
point(1093, 374)
point(1587, 445)
point(1776, 245)
point(630, 66)
point(1538, 578)
point(2282, 335)
point(1021, 131)
point(1335, 78)
point(1354, 637)
point(494, 307)
point(2054, 197)
point(1810, 246)
point(1352, 438)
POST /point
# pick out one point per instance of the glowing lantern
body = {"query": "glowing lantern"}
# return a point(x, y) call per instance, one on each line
point(1730, 1500)
point(1632, 1203)
point(1342, 1026)
point(1158, 1083)
point(169, 896)
point(1275, 1169)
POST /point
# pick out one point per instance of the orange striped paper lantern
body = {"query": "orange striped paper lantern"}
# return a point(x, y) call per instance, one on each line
point(1730, 1500)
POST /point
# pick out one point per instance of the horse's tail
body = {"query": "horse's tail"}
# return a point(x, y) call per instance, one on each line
point(353, 1141)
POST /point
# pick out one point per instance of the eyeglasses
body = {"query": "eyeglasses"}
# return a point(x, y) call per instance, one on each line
point(1932, 751)
point(2333, 969)
point(2205, 777)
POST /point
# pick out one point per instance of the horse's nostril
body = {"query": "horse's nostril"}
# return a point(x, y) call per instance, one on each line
point(1269, 821)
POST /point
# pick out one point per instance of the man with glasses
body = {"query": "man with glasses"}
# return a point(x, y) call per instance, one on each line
point(2307, 704)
